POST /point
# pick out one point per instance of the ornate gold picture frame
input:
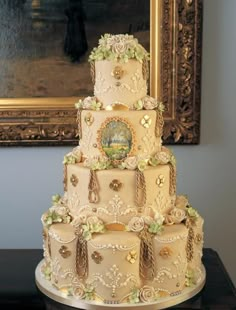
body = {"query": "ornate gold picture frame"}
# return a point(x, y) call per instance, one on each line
point(175, 78)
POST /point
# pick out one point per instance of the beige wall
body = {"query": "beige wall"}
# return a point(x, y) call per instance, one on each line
point(29, 176)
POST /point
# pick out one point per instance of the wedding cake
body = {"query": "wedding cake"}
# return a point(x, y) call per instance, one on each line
point(119, 234)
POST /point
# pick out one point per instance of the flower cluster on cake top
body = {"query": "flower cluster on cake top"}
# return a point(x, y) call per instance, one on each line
point(119, 47)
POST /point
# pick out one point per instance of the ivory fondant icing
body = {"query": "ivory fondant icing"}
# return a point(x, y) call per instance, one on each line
point(117, 271)
point(63, 242)
point(119, 234)
point(119, 206)
point(128, 89)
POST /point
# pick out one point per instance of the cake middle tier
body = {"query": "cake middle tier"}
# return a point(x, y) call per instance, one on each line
point(115, 195)
point(118, 134)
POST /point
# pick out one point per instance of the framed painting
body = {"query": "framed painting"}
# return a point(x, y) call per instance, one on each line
point(44, 47)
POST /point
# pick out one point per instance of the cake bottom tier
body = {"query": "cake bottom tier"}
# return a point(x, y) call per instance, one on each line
point(62, 297)
point(123, 267)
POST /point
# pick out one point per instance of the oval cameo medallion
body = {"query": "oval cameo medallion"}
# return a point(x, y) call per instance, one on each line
point(116, 139)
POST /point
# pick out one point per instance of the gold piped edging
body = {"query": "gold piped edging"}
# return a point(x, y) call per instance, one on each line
point(46, 288)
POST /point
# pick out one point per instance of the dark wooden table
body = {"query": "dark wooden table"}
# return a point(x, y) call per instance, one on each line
point(18, 289)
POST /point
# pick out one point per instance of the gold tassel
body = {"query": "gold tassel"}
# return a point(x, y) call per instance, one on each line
point(189, 246)
point(92, 71)
point(145, 70)
point(81, 256)
point(93, 188)
point(49, 246)
point(79, 122)
point(147, 261)
point(140, 198)
point(65, 178)
point(172, 179)
point(159, 124)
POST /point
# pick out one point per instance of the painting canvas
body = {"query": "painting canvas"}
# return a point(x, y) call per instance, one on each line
point(116, 140)
point(45, 44)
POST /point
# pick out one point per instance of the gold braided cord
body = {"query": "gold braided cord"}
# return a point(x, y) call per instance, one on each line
point(159, 124)
point(189, 246)
point(92, 71)
point(172, 179)
point(93, 188)
point(78, 120)
point(140, 191)
point(147, 259)
point(145, 70)
point(65, 178)
point(81, 256)
point(49, 246)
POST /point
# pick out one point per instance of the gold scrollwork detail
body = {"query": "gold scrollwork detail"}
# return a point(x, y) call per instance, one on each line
point(31, 127)
point(181, 77)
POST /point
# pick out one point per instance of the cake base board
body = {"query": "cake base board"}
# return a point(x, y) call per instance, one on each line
point(47, 289)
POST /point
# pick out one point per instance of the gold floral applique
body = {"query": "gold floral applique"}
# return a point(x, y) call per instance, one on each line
point(115, 185)
point(97, 257)
point(117, 72)
point(74, 180)
point(64, 251)
point(165, 252)
point(146, 121)
point(160, 180)
point(89, 119)
point(132, 257)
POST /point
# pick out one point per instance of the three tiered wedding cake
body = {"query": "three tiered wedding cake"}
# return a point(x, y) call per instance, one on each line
point(120, 234)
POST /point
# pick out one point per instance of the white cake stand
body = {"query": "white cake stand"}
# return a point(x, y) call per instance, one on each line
point(46, 288)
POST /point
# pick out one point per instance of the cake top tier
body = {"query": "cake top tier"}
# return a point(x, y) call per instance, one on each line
point(120, 70)
point(120, 47)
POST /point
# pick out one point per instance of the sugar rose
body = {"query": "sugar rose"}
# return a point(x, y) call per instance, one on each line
point(177, 215)
point(131, 163)
point(87, 103)
point(136, 224)
point(78, 291)
point(118, 44)
point(147, 293)
point(149, 103)
point(163, 157)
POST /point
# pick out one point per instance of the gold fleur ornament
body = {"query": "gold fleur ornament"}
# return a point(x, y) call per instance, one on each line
point(89, 119)
point(146, 121)
point(115, 185)
point(132, 257)
point(165, 252)
point(74, 180)
point(64, 251)
point(160, 180)
point(117, 72)
point(97, 257)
